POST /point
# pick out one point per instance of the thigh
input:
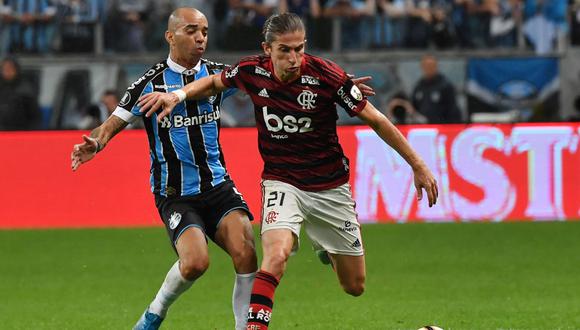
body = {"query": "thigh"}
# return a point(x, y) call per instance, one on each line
point(220, 203)
point(191, 246)
point(282, 208)
point(178, 215)
point(349, 269)
point(332, 225)
point(235, 232)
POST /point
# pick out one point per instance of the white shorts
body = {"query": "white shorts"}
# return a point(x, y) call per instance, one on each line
point(329, 216)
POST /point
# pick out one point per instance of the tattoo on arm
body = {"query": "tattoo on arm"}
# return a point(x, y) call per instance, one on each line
point(108, 130)
point(95, 133)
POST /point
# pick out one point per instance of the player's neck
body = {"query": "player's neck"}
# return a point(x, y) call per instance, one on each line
point(186, 62)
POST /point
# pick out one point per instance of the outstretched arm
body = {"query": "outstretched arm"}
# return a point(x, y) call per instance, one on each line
point(392, 136)
point(98, 139)
point(199, 89)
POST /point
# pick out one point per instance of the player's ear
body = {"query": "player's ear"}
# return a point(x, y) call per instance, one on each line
point(267, 48)
point(169, 37)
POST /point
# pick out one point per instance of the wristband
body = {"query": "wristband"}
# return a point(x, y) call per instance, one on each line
point(99, 145)
point(181, 95)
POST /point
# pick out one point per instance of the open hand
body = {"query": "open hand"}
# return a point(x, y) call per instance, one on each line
point(83, 152)
point(152, 102)
point(360, 83)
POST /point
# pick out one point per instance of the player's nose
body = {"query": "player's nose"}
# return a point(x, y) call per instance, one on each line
point(293, 57)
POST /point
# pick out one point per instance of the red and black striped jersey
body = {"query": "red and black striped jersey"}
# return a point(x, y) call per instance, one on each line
point(296, 120)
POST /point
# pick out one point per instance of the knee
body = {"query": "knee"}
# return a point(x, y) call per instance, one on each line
point(276, 261)
point(193, 269)
point(279, 258)
point(355, 288)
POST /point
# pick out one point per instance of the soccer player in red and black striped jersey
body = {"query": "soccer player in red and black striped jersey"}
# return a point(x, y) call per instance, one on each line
point(305, 177)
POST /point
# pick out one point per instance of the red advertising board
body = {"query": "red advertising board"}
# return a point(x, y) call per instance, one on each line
point(485, 173)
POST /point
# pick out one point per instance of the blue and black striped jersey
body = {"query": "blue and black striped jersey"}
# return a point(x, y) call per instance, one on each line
point(186, 155)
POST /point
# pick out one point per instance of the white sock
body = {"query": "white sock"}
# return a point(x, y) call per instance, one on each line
point(173, 286)
point(241, 298)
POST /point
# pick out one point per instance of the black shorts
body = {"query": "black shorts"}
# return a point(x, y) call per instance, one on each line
point(205, 210)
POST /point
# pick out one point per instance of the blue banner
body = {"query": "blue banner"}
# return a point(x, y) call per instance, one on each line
point(512, 84)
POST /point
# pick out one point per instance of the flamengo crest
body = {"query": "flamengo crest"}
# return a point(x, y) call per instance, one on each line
point(307, 99)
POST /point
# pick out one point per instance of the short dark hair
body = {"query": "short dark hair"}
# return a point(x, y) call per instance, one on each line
point(279, 24)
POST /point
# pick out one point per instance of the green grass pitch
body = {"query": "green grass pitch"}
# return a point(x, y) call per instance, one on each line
point(456, 276)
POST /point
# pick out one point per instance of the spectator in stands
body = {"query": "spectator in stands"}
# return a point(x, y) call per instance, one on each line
point(400, 110)
point(354, 16)
point(155, 26)
point(418, 23)
point(545, 23)
point(481, 12)
point(461, 19)
point(434, 95)
point(36, 23)
point(310, 11)
point(18, 103)
point(96, 114)
point(78, 19)
point(575, 22)
point(506, 15)
point(302, 8)
point(442, 30)
point(256, 10)
point(6, 20)
point(390, 31)
point(245, 21)
point(127, 20)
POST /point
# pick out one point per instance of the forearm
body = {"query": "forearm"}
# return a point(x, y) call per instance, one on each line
point(204, 87)
point(104, 133)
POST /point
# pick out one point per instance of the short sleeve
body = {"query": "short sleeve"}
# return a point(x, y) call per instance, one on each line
point(350, 97)
point(231, 77)
point(128, 107)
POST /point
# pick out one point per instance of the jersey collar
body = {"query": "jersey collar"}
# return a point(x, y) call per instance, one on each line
point(180, 69)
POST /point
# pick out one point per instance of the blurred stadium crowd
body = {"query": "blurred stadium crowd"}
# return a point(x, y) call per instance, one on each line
point(45, 26)
point(105, 29)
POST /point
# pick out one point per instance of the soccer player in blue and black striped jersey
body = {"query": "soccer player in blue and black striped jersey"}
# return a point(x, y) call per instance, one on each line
point(193, 192)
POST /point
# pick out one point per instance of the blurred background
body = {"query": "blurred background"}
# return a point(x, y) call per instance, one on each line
point(67, 61)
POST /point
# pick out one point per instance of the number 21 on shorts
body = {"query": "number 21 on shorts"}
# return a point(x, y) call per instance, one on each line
point(275, 198)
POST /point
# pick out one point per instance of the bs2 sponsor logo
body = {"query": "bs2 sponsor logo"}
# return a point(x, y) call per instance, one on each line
point(288, 124)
